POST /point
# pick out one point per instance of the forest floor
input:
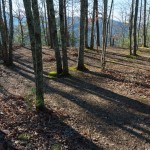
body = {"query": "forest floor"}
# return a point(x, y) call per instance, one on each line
point(90, 110)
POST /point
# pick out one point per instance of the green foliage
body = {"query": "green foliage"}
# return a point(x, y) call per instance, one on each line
point(52, 74)
point(30, 97)
point(73, 69)
point(24, 137)
point(131, 56)
point(56, 147)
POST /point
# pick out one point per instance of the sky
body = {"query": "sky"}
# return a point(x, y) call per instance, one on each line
point(121, 7)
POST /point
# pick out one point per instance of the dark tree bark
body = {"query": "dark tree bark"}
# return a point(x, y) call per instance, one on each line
point(36, 47)
point(108, 22)
point(97, 24)
point(80, 65)
point(4, 39)
point(86, 25)
point(11, 31)
point(50, 40)
point(4, 16)
point(55, 37)
point(63, 37)
point(131, 26)
point(135, 27)
point(92, 27)
point(139, 25)
point(103, 61)
point(144, 26)
point(66, 25)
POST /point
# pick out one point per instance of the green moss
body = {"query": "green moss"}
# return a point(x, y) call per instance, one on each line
point(73, 69)
point(24, 137)
point(132, 56)
point(56, 147)
point(52, 74)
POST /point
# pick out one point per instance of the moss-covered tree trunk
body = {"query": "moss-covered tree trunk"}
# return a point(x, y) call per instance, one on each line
point(36, 47)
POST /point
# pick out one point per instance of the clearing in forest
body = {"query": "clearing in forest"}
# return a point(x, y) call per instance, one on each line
point(90, 110)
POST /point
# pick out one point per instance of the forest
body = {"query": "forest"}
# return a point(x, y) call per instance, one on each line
point(74, 75)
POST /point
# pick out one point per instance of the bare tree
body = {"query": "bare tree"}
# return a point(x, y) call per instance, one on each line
point(103, 61)
point(32, 14)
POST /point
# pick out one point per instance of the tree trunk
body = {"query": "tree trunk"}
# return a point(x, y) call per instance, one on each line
point(86, 25)
point(5, 19)
point(4, 39)
point(144, 27)
point(66, 25)
point(63, 38)
point(103, 62)
point(131, 26)
point(11, 31)
point(135, 27)
point(97, 25)
point(36, 47)
point(80, 65)
point(139, 26)
point(55, 37)
point(50, 40)
point(92, 27)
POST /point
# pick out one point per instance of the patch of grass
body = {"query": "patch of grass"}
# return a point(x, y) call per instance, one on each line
point(52, 74)
point(24, 137)
point(56, 147)
point(73, 69)
point(29, 98)
point(132, 56)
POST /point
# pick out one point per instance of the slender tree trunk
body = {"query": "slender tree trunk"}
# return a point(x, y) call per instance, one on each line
point(148, 20)
point(131, 26)
point(4, 38)
point(80, 65)
point(139, 26)
point(72, 36)
point(50, 40)
point(36, 47)
point(97, 25)
point(11, 31)
point(103, 61)
point(135, 27)
point(108, 23)
point(46, 26)
point(5, 19)
point(86, 25)
point(92, 27)
point(55, 37)
point(63, 39)
point(144, 27)
point(66, 25)
point(22, 32)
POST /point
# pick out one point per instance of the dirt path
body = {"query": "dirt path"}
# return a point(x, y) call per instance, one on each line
point(92, 110)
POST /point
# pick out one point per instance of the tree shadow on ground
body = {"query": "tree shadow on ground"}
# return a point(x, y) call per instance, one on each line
point(141, 58)
point(121, 60)
point(5, 144)
point(133, 112)
point(4, 92)
point(31, 129)
point(118, 79)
